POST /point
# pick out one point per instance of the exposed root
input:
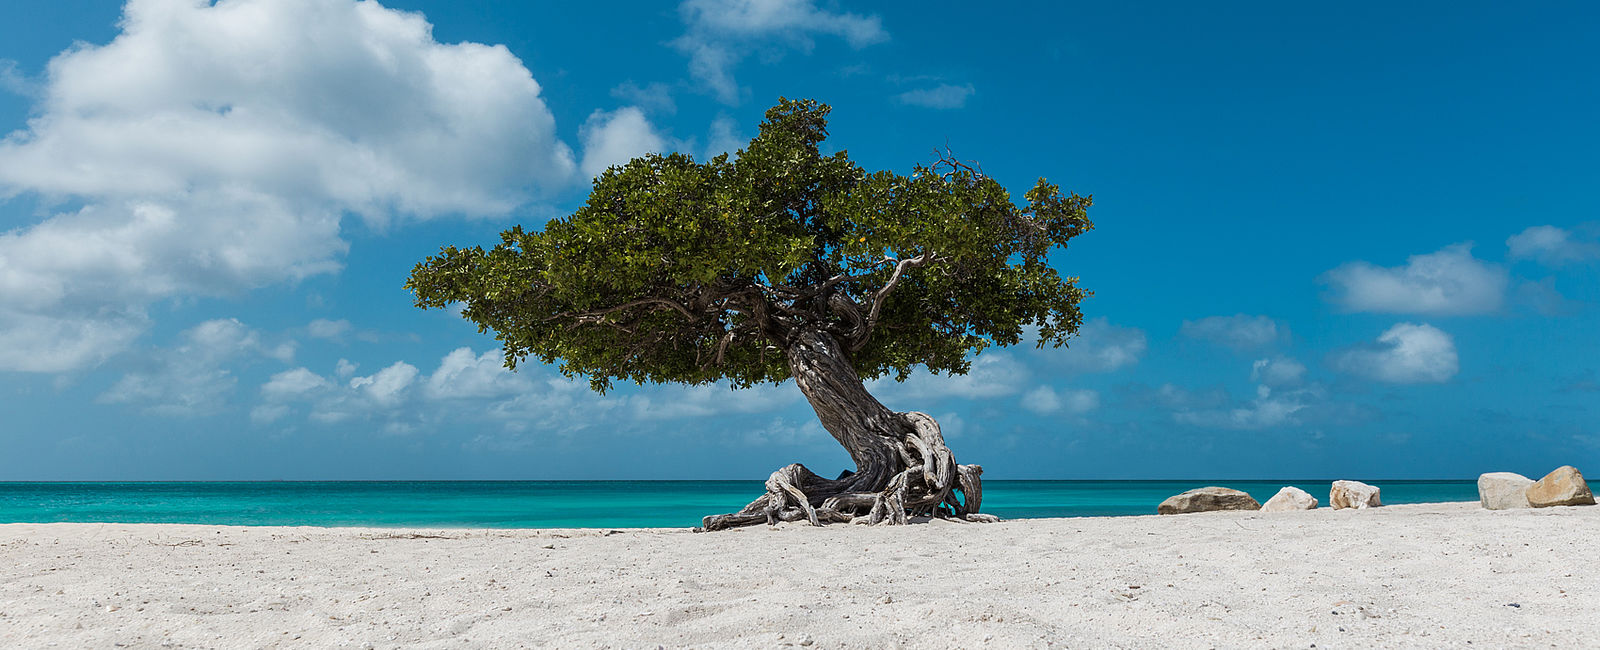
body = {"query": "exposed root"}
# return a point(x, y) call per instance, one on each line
point(926, 481)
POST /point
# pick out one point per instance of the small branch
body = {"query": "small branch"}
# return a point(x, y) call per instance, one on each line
point(597, 314)
point(947, 158)
point(883, 292)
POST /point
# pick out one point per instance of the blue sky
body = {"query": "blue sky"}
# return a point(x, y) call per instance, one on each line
point(1332, 241)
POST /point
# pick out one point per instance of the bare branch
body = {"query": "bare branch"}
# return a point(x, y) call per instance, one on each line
point(947, 158)
point(883, 292)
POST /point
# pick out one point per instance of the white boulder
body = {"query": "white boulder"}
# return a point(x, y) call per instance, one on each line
point(1289, 499)
point(1353, 494)
point(1503, 490)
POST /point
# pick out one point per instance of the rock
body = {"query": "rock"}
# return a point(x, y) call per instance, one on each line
point(1503, 490)
point(1207, 499)
point(1353, 494)
point(1289, 499)
point(1563, 487)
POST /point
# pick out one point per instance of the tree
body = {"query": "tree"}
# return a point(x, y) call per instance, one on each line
point(785, 263)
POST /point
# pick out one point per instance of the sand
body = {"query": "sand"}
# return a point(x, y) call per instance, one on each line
point(1422, 576)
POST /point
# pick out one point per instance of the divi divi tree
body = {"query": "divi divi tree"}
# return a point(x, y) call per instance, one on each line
point(785, 263)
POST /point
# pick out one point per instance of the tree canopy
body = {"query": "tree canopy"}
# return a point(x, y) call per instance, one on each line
point(693, 272)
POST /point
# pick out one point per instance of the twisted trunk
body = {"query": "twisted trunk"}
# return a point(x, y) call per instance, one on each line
point(903, 468)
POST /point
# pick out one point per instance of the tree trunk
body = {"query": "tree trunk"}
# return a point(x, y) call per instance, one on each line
point(903, 468)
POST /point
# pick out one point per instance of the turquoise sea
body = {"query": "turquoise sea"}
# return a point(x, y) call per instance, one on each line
point(569, 504)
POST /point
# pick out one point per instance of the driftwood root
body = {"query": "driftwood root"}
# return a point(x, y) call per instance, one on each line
point(927, 482)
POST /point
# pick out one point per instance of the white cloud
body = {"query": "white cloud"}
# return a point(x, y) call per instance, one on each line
point(616, 137)
point(323, 328)
point(1404, 354)
point(13, 81)
point(943, 96)
point(190, 379)
point(952, 425)
point(1278, 402)
point(387, 386)
point(720, 33)
point(468, 386)
point(993, 374)
point(1238, 331)
point(463, 375)
point(668, 402)
point(292, 384)
point(1173, 396)
point(48, 344)
point(781, 431)
point(1551, 246)
point(1098, 347)
point(268, 413)
point(1447, 282)
point(1278, 371)
point(553, 404)
point(1269, 409)
point(1044, 399)
point(724, 138)
point(215, 147)
point(284, 351)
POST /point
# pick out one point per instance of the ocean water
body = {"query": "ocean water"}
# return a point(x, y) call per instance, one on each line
point(569, 504)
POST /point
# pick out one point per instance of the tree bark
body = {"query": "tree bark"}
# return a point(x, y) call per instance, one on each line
point(903, 468)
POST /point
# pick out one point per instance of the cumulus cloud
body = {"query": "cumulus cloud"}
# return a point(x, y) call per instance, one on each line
point(1098, 347)
point(616, 137)
point(1173, 396)
point(670, 402)
point(464, 375)
point(190, 378)
point(387, 387)
point(782, 431)
point(1404, 354)
point(1278, 371)
point(13, 81)
point(1045, 399)
point(1551, 246)
point(214, 148)
point(721, 33)
point(264, 414)
point(1238, 331)
point(293, 383)
point(1447, 282)
point(401, 398)
point(1280, 400)
point(323, 328)
point(992, 375)
point(49, 343)
point(1268, 410)
point(724, 137)
point(943, 96)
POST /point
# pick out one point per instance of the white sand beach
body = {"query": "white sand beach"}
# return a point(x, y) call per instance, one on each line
point(1409, 576)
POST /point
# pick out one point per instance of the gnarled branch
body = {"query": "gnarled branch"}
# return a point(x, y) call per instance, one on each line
point(883, 292)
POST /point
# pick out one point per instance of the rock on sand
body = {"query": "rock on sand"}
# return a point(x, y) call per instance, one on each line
point(1563, 487)
point(1503, 490)
point(1289, 499)
point(1353, 494)
point(1207, 499)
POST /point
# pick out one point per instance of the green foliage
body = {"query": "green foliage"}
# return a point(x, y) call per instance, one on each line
point(678, 271)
